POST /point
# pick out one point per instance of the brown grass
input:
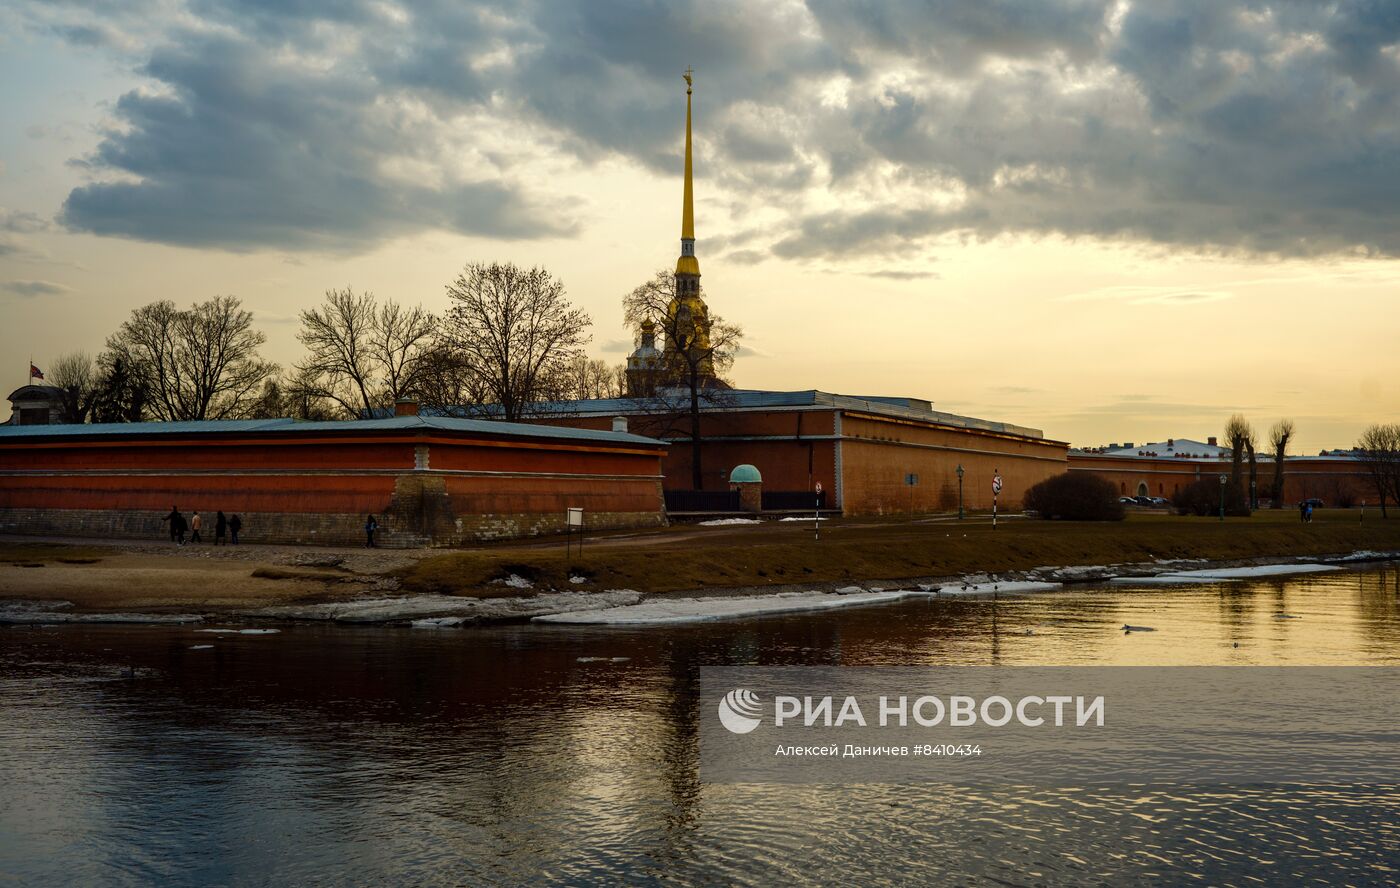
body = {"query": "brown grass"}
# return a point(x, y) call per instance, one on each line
point(855, 550)
point(39, 553)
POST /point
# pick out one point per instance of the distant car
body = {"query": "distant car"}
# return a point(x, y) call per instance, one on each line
point(1160, 501)
point(1143, 500)
point(1127, 501)
point(1314, 502)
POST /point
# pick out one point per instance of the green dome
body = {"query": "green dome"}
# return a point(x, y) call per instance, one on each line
point(743, 474)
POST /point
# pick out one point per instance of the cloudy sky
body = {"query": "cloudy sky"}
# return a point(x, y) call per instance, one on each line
point(1111, 220)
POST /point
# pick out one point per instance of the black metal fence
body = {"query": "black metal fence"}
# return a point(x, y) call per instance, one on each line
point(702, 500)
point(792, 500)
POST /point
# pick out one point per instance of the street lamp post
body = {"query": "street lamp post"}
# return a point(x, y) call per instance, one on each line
point(960, 500)
point(1223, 481)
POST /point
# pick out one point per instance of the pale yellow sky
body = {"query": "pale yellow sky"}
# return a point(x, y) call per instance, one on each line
point(1113, 332)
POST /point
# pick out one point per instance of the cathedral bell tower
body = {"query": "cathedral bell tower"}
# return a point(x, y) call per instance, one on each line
point(686, 327)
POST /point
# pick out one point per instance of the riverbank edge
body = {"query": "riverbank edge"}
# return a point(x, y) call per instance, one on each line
point(435, 611)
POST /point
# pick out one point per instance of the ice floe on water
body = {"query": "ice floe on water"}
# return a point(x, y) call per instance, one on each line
point(446, 611)
point(725, 522)
point(1227, 574)
point(201, 647)
point(1008, 587)
point(230, 631)
point(660, 611)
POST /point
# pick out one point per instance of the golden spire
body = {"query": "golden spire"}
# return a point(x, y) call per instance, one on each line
point(688, 264)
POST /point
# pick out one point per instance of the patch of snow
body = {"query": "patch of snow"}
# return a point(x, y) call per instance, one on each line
point(515, 581)
point(849, 590)
point(694, 610)
point(1260, 570)
point(578, 581)
point(1166, 580)
point(417, 609)
point(438, 622)
point(804, 519)
point(725, 522)
point(200, 647)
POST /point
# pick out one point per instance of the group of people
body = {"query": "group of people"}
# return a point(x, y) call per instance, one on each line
point(229, 527)
point(1305, 509)
point(223, 527)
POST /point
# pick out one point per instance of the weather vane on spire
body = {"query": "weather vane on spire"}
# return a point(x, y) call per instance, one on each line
point(687, 76)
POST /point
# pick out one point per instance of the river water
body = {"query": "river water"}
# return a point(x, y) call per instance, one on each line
point(533, 754)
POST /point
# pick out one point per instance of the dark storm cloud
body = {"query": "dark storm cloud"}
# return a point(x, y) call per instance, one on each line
point(1217, 125)
point(247, 152)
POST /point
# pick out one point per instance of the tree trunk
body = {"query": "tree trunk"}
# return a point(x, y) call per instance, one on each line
point(697, 477)
point(1278, 480)
point(1253, 477)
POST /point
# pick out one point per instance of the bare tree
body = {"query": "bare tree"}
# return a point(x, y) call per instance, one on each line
point(199, 363)
point(593, 378)
point(693, 366)
point(1379, 451)
point(1279, 436)
point(1239, 433)
point(361, 353)
point(76, 374)
point(517, 331)
point(450, 385)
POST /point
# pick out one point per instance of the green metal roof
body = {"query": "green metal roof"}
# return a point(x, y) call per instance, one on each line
point(744, 474)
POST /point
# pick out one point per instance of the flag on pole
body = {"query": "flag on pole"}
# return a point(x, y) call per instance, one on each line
point(35, 372)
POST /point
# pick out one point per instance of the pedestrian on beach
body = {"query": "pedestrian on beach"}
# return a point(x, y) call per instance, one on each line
point(220, 528)
point(196, 523)
point(234, 524)
point(174, 519)
point(370, 527)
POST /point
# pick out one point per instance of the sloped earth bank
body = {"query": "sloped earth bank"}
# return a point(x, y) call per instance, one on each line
point(514, 598)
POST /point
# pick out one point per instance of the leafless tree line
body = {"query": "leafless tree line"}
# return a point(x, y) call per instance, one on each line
point(1243, 442)
point(509, 341)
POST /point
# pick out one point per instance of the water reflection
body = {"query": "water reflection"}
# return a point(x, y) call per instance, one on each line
point(531, 753)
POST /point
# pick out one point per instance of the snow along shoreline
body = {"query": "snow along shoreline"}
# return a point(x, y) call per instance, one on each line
point(627, 607)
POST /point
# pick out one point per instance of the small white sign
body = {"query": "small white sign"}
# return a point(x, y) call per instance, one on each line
point(996, 484)
point(575, 517)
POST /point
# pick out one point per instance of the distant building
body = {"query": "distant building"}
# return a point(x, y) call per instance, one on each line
point(1337, 477)
point(37, 405)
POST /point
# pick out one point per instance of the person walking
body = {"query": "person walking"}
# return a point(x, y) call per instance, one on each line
point(370, 527)
point(220, 528)
point(1303, 512)
point(181, 525)
point(196, 523)
point(234, 525)
point(1308, 513)
point(174, 519)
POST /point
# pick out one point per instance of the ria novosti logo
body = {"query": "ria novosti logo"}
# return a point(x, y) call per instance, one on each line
point(740, 711)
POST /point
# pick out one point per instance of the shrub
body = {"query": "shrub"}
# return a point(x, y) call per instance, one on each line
point(1075, 496)
point(1203, 498)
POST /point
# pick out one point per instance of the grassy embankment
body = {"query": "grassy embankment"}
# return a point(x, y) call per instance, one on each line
point(856, 550)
